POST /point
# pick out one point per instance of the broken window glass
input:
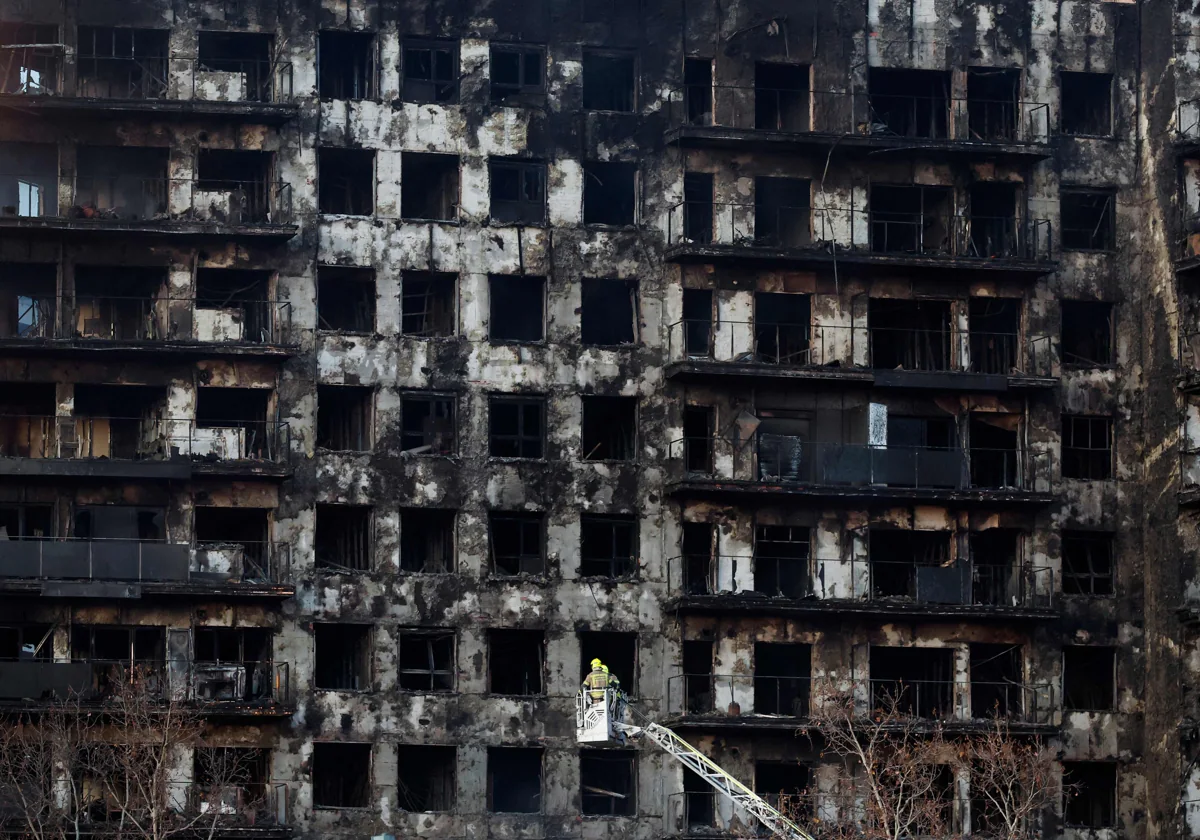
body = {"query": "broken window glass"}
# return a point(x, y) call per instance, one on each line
point(514, 780)
point(426, 541)
point(782, 679)
point(518, 191)
point(609, 782)
point(344, 417)
point(427, 424)
point(431, 71)
point(518, 72)
point(781, 560)
point(517, 544)
point(909, 103)
point(122, 63)
point(345, 299)
point(1087, 563)
point(346, 181)
point(346, 68)
point(427, 777)
point(429, 186)
point(609, 193)
point(1089, 678)
point(1087, 447)
point(781, 97)
point(428, 304)
point(426, 660)
point(342, 658)
point(1090, 794)
point(1088, 219)
point(343, 538)
point(1087, 329)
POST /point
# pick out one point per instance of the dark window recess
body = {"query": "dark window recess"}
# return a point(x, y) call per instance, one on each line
point(698, 91)
point(609, 81)
point(427, 424)
point(347, 68)
point(226, 644)
point(516, 427)
point(516, 544)
point(995, 227)
point(616, 650)
point(785, 786)
point(699, 801)
point(1087, 447)
point(920, 681)
point(428, 304)
point(344, 417)
point(609, 314)
point(609, 193)
point(143, 645)
point(908, 219)
point(609, 428)
point(781, 216)
point(1087, 331)
point(426, 541)
point(244, 526)
point(698, 422)
point(608, 782)
point(518, 191)
point(426, 661)
point(781, 560)
point(698, 675)
point(1086, 104)
point(240, 773)
point(696, 546)
point(1088, 219)
point(697, 208)
point(517, 311)
point(1087, 561)
point(120, 522)
point(343, 537)
point(909, 334)
point(995, 579)
point(341, 775)
point(431, 71)
point(518, 72)
point(248, 292)
point(343, 657)
point(426, 777)
point(127, 182)
point(15, 639)
point(1089, 679)
point(122, 63)
point(697, 321)
point(997, 681)
point(28, 298)
point(1090, 794)
point(346, 181)
point(909, 103)
point(994, 331)
point(921, 432)
point(993, 110)
point(429, 186)
point(516, 660)
point(781, 97)
point(608, 546)
point(993, 450)
point(782, 679)
point(916, 565)
point(242, 408)
point(514, 780)
point(345, 299)
point(781, 328)
point(29, 69)
point(247, 54)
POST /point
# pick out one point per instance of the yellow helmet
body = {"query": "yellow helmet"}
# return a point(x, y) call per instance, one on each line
point(604, 668)
point(596, 663)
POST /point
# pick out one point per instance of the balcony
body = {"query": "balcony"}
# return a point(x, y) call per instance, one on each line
point(775, 119)
point(142, 448)
point(150, 207)
point(700, 231)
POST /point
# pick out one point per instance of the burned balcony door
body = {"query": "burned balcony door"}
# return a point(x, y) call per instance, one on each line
point(118, 303)
point(232, 664)
point(120, 654)
point(27, 427)
point(993, 104)
point(119, 421)
point(234, 305)
point(699, 560)
point(122, 62)
point(920, 452)
point(909, 334)
point(698, 425)
point(698, 676)
point(121, 182)
point(781, 212)
point(997, 683)
point(917, 566)
point(781, 328)
point(995, 568)
point(994, 333)
point(781, 560)
point(782, 679)
point(781, 97)
point(698, 91)
point(698, 322)
point(911, 219)
point(917, 680)
point(909, 103)
point(994, 222)
point(697, 208)
point(782, 440)
point(993, 450)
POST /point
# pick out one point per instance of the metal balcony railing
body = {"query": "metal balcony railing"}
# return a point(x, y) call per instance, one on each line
point(739, 694)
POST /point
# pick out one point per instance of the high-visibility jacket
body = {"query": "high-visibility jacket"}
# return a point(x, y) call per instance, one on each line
point(596, 682)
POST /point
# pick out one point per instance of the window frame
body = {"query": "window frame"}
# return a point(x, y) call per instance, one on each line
point(1084, 581)
point(614, 522)
point(520, 401)
point(611, 53)
point(1110, 195)
point(432, 46)
point(522, 168)
point(522, 90)
point(429, 636)
point(1084, 456)
point(524, 519)
point(432, 398)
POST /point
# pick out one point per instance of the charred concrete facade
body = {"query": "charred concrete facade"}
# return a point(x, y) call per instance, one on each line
point(369, 366)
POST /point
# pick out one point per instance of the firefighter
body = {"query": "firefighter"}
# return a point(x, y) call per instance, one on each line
point(619, 702)
point(596, 682)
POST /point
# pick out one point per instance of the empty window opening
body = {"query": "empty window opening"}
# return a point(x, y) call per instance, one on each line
point(237, 530)
point(133, 647)
point(1088, 219)
point(517, 544)
point(608, 546)
point(120, 182)
point(428, 304)
point(518, 191)
point(27, 425)
point(698, 91)
point(344, 417)
point(781, 328)
point(514, 780)
point(785, 785)
point(696, 546)
point(343, 538)
point(426, 661)
point(698, 424)
point(1087, 559)
point(782, 437)
point(908, 219)
point(609, 428)
point(781, 216)
point(427, 424)
point(426, 541)
point(920, 681)
point(609, 81)
point(341, 775)
point(516, 660)
point(916, 565)
point(697, 322)
point(997, 681)
point(698, 676)
point(122, 63)
point(616, 650)
point(120, 522)
point(1086, 104)
point(233, 186)
point(426, 777)
point(993, 97)
point(342, 661)
point(32, 58)
point(609, 193)
point(345, 299)
point(609, 312)
point(994, 455)
point(232, 779)
point(117, 303)
point(1087, 447)
point(909, 103)
point(1089, 678)
point(346, 181)
point(516, 427)
point(936, 433)
point(782, 679)
point(995, 227)
point(608, 782)
point(233, 644)
point(237, 305)
point(1090, 794)
point(28, 185)
point(431, 71)
point(995, 569)
point(1087, 331)
point(909, 334)
point(781, 560)
point(994, 331)
point(518, 73)
point(781, 97)
point(243, 59)
point(518, 304)
point(217, 649)
point(26, 522)
point(699, 801)
point(697, 208)
point(347, 69)
point(121, 421)
point(243, 411)
point(429, 186)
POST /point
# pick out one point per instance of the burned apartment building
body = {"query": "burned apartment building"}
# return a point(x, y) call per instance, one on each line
point(370, 366)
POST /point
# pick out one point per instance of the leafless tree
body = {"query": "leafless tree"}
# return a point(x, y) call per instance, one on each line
point(1013, 782)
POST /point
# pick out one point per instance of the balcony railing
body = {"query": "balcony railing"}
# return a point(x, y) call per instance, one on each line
point(834, 230)
point(859, 113)
point(739, 694)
